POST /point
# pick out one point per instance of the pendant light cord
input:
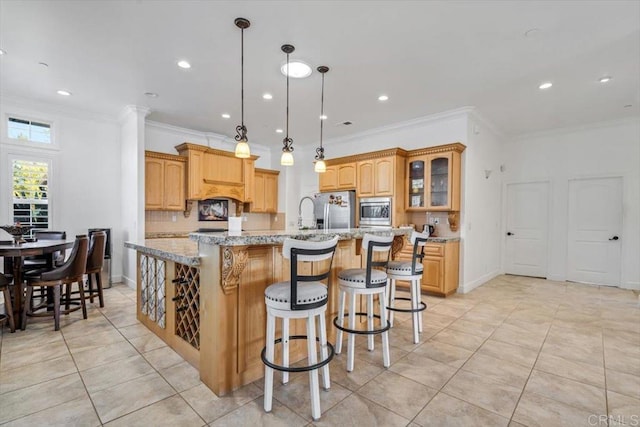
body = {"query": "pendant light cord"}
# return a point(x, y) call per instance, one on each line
point(287, 96)
point(321, 110)
point(242, 77)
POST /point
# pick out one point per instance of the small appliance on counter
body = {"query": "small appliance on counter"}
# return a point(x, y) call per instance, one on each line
point(335, 210)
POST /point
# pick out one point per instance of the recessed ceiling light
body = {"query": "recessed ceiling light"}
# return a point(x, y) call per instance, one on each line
point(151, 94)
point(184, 64)
point(2, 52)
point(267, 96)
point(383, 98)
point(604, 79)
point(545, 85)
point(297, 70)
point(323, 117)
point(64, 93)
point(226, 115)
point(279, 131)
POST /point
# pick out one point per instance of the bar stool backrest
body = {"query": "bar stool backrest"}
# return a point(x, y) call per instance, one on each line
point(97, 246)
point(75, 264)
point(372, 243)
point(419, 240)
point(300, 251)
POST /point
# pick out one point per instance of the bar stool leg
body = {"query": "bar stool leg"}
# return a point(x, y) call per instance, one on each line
point(341, 301)
point(370, 344)
point(56, 307)
point(414, 315)
point(27, 307)
point(418, 295)
point(268, 372)
point(8, 308)
point(386, 359)
point(392, 298)
point(352, 325)
point(326, 380)
point(285, 349)
point(314, 386)
point(83, 303)
point(90, 287)
point(100, 294)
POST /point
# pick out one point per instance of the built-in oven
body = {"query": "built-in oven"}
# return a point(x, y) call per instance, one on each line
point(375, 211)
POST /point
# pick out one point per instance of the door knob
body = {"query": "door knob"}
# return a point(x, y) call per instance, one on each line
point(509, 233)
point(614, 238)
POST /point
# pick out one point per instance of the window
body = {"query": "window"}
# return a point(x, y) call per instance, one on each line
point(30, 191)
point(27, 130)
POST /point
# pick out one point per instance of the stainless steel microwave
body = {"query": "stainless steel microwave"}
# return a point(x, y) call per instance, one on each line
point(375, 211)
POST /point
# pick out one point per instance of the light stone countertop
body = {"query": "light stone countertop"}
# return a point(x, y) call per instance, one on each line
point(185, 251)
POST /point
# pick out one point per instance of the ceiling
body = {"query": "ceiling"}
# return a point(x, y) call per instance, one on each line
point(428, 57)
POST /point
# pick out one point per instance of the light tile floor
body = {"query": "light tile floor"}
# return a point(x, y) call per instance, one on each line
point(516, 351)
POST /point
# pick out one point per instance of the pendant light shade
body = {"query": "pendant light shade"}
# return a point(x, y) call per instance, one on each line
point(242, 147)
point(320, 165)
point(287, 149)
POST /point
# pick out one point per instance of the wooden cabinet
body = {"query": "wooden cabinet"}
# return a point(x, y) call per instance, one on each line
point(375, 177)
point(433, 178)
point(164, 182)
point(265, 197)
point(338, 177)
point(440, 266)
point(216, 173)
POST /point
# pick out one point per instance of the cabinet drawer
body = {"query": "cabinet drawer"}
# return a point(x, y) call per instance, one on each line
point(434, 250)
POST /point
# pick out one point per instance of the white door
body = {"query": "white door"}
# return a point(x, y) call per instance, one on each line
point(595, 223)
point(527, 229)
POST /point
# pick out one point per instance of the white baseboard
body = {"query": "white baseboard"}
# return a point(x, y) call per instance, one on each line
point(556, 278)
point(631, 285)
point(130, 283)
point(468, 287)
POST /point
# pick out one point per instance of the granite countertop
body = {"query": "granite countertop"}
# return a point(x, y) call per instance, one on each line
point(180, 250)
point(272, 237)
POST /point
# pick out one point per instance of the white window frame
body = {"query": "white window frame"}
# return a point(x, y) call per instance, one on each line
point(53, 145)
point(6, 180)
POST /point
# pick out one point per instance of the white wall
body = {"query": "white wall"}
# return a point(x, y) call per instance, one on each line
point(607, 149)
point(85, 184)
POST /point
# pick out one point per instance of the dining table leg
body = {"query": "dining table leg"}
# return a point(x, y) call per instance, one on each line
point(18, 290)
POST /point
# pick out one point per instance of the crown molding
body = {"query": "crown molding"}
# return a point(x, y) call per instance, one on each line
point(188, 146)
point(483, 120)
point(133, 109)
point(47, 108)
point(449, 114)
point(579, 128)
point(205, 135)
point(165, 156)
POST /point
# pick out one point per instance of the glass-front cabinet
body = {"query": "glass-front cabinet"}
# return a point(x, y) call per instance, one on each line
point(433, 181)
point(417, 183)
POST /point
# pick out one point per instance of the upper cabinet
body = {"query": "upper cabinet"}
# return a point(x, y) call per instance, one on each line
point(376, 177)
point(216, 173)
point(164, 182)
point(433, 178)
point(265, 198)
point(339, 177)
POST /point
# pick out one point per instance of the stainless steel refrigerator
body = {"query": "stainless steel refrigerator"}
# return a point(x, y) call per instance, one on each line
point(335, 209)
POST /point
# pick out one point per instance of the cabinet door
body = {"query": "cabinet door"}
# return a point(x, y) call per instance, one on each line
point(416, 183)
point(440, 181)
point(432, 275)
point(258, 204)
point(249, 180)
point(271, 193)
point(384, 172)
point(347, 176)
point(329, 179)
point(195, 174)
point(173, 185)
point(153, 183)
point(366, 187)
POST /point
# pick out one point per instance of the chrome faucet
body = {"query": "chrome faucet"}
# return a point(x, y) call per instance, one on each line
point(300, 209)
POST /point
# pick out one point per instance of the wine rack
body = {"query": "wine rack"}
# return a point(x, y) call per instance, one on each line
point(152, 289)
point(187, 303)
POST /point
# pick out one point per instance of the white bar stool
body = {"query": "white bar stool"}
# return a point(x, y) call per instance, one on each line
point(303, 297)
point(365, 281)
point(410, 271)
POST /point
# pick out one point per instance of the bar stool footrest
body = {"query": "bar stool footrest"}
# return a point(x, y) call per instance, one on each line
point(360, 331)
point(318, 365)
point(422, 307)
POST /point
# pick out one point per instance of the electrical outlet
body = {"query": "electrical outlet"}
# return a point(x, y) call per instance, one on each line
point(244, 218)
point(174, 218)
point(436, 221)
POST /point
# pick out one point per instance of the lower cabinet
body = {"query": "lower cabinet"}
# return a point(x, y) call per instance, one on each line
point(440, 266)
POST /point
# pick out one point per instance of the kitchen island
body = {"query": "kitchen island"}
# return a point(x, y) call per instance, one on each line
point(204, 295)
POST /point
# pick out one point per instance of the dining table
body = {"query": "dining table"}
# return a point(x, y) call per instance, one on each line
point(14, 255)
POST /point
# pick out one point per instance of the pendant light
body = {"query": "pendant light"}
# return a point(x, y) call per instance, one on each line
point(242, 147)
point(320, 165)
point(287, 149)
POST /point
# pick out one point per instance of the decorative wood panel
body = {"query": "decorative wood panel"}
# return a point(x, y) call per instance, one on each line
point(187, 307)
